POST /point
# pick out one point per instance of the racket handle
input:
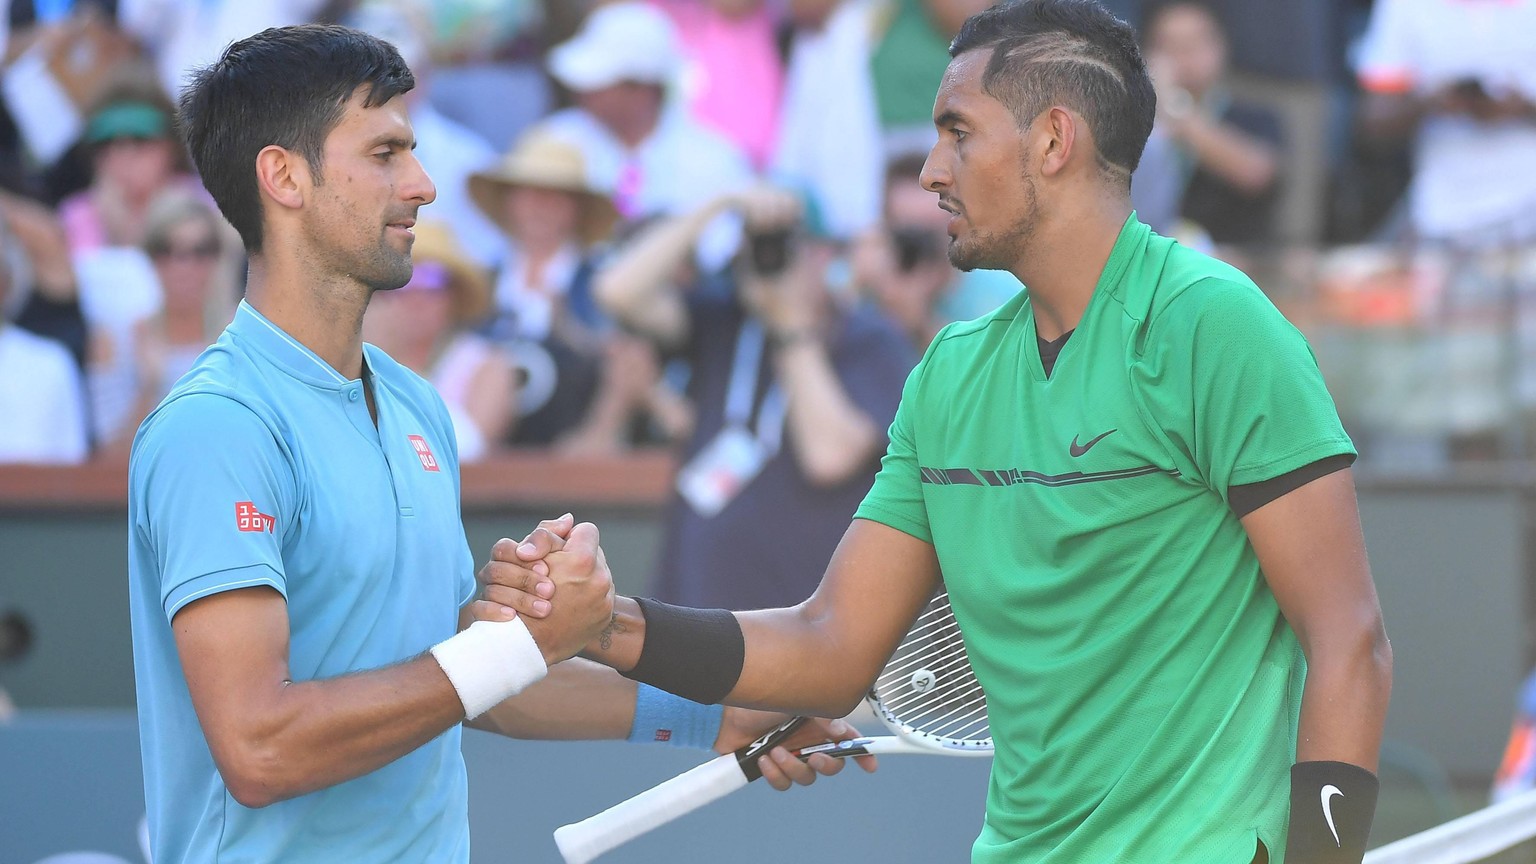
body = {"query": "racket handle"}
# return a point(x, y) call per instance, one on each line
point(583, 841)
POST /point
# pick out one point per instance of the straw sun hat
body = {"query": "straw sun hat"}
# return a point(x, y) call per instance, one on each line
point(541, 161)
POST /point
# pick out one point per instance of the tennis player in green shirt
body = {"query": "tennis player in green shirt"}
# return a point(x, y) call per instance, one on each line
point(1135, 486)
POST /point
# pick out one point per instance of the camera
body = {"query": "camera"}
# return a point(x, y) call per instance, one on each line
point(15, 635)
point(769, 252)
point(915, 246)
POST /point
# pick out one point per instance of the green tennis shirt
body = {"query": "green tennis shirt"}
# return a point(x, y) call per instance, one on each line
point(1143, 688)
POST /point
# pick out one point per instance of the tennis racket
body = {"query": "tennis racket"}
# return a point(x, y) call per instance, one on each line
point(927, 695)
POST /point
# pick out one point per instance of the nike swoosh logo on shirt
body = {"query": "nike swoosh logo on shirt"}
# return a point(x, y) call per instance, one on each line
point(1329, 791)
point(1077, 450)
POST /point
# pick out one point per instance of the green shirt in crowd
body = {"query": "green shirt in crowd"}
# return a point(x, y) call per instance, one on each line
point(907, 66)
point(1143, 687)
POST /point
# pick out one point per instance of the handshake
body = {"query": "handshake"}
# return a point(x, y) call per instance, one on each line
point(522, 577)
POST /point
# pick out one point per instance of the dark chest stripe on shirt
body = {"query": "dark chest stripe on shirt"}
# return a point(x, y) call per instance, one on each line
point(1015, 476)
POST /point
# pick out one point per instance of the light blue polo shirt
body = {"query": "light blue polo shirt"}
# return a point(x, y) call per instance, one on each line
point(263, 468)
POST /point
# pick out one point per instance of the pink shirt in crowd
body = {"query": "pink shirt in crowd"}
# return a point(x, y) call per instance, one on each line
point(735, 78)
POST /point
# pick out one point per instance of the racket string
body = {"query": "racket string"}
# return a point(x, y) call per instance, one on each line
point(929, 686)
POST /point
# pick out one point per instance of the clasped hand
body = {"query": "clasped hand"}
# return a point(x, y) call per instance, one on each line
point(561, 556)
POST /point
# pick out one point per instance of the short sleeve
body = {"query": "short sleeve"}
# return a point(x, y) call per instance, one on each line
point(1386, 58)
point(214, 493)
point(1236, 389)
point(896, 497)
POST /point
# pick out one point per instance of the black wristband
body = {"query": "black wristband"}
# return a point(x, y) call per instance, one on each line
point(1331, 808)
point(693, 653)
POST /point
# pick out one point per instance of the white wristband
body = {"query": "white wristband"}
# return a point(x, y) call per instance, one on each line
point(490, 661)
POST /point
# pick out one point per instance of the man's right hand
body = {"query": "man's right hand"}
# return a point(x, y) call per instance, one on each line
point(583, 598)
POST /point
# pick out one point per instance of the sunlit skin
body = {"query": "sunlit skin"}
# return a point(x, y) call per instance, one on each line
point(344, 234)
point(980, 171)
point(1035, 201)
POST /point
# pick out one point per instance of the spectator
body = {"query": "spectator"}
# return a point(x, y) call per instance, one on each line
point(1222, 156)
point(909, 58)
point(650, 156)
point(59, 65)
point(551, 216)
point(188, 243)
point(134, 156)
point(422, 326)
point(734, 77)
point(41, 262)
point(904, 265)
point(183, 35)
point(828, 86)
point(1461, 78)
point(40, 393)
point(794, 385)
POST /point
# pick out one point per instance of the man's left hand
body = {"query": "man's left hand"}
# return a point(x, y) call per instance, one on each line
point(781, 768)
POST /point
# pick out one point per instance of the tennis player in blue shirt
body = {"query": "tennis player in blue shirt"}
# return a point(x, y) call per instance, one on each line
point(301, 588)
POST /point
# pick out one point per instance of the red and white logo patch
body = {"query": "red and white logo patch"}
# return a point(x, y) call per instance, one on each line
point(663, 734)
point(248, 518)
point(424, 453)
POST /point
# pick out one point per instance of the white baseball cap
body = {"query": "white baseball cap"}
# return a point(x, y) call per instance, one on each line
point(618, 42)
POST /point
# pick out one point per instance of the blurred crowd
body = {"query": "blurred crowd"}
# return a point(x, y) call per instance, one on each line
point(644, 206)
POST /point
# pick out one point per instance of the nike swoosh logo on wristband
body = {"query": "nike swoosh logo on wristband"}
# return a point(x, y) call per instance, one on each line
point(1329, 791)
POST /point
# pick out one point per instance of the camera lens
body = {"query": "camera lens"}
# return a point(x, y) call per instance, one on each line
point(15, 635)
point(914, 246)
point(770, 251)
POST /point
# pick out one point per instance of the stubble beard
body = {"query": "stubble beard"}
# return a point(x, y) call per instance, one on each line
point(998, 250)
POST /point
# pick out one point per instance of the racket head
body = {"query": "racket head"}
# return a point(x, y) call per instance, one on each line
point(927, 694)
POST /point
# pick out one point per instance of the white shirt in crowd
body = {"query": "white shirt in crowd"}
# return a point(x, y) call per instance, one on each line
point(1473, 182)
point(40, 399)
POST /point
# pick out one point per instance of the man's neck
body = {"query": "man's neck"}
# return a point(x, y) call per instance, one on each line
point(1064, 261)
point(325, 316)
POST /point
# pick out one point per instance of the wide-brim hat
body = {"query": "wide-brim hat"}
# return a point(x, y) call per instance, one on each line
point(543, 161)
point(469, 287)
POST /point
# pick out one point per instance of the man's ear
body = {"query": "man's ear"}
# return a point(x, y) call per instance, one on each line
point(283, 176)
point(1061, 128)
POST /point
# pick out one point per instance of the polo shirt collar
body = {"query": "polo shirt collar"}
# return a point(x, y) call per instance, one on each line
point(273, 343)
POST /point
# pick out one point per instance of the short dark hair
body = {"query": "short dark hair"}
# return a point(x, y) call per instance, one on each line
point(286, 86)
point(1068, 52)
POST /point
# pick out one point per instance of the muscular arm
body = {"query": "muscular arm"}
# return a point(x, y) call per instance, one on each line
point(1312, 553)
point(821, 656)
point(273, 738)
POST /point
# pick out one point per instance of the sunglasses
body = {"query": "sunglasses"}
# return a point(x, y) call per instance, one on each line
point(201, 252)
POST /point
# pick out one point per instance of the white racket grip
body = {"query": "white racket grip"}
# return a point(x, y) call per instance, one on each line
point(583, 841)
